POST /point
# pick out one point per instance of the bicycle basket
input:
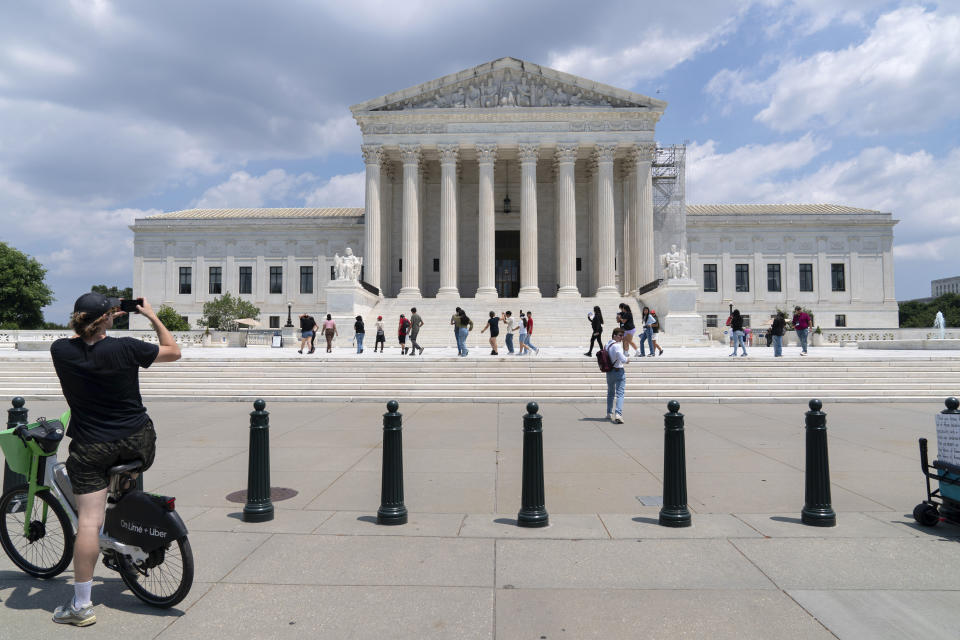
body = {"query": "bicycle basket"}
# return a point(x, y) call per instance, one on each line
point(15, 451)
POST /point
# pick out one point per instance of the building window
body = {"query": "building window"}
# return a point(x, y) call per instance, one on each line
point(711, 321)
point(274, 322)
point(579, 265)
point(333, 274)
point(773, 277)
point(276, 279)
point(709, 277)
point(184, 318)
point(306, 279)
point(400, 265)
point(246, 279)
point(436, 264)
point(215, 285)
point(837, 280)
point(743, 278)
point(186, 276)
point(746, 319)
point(840, 320)
point(806, 276)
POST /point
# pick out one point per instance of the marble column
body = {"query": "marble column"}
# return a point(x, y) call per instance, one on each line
point(373, 157)
point(448, 220)
point(486, 230)
point(529, 267)
point(629, 174)
point(606, 233)
point(645, 265)
point(410, 277)
point(567, 220)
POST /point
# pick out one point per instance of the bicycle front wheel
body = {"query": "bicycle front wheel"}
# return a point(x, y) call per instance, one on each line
point(166, 576)
point(41, 542)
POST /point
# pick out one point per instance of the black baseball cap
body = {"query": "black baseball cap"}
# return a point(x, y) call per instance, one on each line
point(95, 304)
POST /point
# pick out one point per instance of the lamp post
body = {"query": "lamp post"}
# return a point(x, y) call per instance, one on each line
point(289, 316)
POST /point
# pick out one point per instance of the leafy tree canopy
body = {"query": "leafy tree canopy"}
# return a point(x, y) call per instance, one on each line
point(23, 293)
point(222, 313)
point(122, 322)
point(172, 319)
point(916, 314)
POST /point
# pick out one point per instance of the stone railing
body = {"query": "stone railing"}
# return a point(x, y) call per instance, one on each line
point(839, 336)
point(193, 338)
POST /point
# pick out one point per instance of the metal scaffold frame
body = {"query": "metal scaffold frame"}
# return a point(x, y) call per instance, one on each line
point(668, 176)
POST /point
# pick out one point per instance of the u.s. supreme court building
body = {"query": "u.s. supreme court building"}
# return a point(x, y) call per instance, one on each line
point(513, 180)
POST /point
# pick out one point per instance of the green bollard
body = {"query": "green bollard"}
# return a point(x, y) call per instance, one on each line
point(817, 509)
point(16, 416)
point(258, 508)
point(533, 501)
point(674, 512)
point(392, 510)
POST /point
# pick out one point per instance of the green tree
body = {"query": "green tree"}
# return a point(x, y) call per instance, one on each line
point(222, 313)
point(914, 313)
point(23, 293)
point(122, 322)
point(172, 319)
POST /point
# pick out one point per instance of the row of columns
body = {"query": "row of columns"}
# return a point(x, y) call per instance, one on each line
point(638, 225)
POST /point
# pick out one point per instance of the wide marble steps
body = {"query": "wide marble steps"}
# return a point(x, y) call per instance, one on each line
point(485, 378)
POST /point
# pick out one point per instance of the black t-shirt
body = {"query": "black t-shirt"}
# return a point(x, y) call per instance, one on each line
point(358, 326)
point(307, 323)
point(101, 383)
point(626, 320)
point(494, 327)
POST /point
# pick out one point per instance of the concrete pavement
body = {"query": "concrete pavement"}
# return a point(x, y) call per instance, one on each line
point(747, 568)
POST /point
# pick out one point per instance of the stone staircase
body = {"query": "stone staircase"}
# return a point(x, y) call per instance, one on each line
point(484, 378)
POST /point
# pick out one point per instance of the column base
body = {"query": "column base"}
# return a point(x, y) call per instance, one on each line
point(410, 293)
point(568, 292)
point(529, 292)
point(448, 292)
point(486, 292)
point(607, 292)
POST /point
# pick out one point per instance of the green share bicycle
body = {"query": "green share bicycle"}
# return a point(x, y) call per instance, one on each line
point(142, 537)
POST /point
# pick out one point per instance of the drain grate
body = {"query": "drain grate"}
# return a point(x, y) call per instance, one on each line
point(276, 494)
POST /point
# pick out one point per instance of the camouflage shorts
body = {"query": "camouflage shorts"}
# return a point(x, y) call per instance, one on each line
point(88, 463)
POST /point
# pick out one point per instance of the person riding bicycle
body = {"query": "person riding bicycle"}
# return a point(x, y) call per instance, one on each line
point(109, 425)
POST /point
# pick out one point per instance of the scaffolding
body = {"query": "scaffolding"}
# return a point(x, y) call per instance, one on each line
point(668, 177)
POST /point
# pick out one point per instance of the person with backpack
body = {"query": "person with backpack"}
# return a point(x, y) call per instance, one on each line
point(381, 336)
point(655, 327)
point(402, 332)
point(596, 329)
point(611, 359)
point(736, 327)
point(777, 329)
point(465, 325)
point(359, 332)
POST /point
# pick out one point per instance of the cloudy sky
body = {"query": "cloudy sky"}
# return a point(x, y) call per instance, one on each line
point(110, 111)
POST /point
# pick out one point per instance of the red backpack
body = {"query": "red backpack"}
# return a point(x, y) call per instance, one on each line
point(604, 361)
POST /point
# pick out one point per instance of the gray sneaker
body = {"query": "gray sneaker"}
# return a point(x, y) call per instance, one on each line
point(618, 419)
point(67, 614)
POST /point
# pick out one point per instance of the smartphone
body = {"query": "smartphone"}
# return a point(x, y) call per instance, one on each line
point(130, 306)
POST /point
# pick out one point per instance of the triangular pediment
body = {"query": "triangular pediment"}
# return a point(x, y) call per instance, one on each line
point(509, 83)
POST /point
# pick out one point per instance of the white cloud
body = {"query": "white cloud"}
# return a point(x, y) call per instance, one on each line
point(242, 190)
point(905, 76)
point(345, 190)
point(939, 250)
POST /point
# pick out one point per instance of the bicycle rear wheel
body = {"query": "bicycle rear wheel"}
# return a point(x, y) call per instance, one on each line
point(46, 548)
point(165, 578)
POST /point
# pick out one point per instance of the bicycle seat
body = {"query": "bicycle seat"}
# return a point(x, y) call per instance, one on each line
point(125, 468)
point(46, 433)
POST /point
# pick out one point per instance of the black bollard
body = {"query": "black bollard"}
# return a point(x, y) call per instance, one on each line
point(817, 510)
point(533, 509)
point(259, 508)
point(16, 416)
point(947, 509)
point(674, 512)
point(392, 510)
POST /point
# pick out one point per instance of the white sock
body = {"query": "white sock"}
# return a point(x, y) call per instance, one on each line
point(81, 594)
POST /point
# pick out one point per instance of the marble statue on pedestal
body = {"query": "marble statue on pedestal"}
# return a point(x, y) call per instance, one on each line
point(348, 266)
point(940, 323)
point(675, 264)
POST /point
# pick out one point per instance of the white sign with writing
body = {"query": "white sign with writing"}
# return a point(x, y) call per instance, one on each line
point(948, 437)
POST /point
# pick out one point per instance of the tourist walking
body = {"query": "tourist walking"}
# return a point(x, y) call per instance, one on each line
point(522, 334)
point(509, 325)
point(308, 328)
point(801, 324)
point(329, 331)
point(415, 323)
point(647, 320)
point(655, 327)
point(625, 319)
point(358, 333)
point(455, 321)
point(596, 330)
point(617, 376)
point(530, 344)
point(735, 322)
point(493, 323)
point(381, 338)
point(402, 332)
point(777, 329)
point(466, 326)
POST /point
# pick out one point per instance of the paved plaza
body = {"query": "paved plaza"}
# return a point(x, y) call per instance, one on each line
point(604, 568)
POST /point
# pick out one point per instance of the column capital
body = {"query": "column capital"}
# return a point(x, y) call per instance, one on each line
point(528, 152)
point(604, 151)
point(566, 152)
point(448, 153)
point(628, 165)
point(410, 154)
point(486, 153)
point(372, 153)
point(642, 152)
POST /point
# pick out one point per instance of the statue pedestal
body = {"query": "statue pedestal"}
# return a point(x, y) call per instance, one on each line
point(676, 305)
point(346, 299)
